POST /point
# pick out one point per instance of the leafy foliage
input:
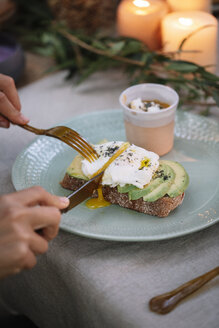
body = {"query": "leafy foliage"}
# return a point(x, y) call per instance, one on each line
point(84, 55)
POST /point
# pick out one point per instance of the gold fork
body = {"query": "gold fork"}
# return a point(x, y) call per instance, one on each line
point(70, 137)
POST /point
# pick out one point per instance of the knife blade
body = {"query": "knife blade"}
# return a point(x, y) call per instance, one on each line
point(83, 192)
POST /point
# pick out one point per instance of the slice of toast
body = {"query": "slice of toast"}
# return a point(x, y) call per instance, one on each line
point(161, 207)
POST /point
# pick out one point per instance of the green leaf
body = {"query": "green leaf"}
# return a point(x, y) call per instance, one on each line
point(209, 76)
point(68, 64)
point(55, 42)
point(116, 47)
point(182, 67)
point(99, 45)
point(131, 47)
point(94, 66)
point(215, 95)
point(147, 58)
point(44, 51)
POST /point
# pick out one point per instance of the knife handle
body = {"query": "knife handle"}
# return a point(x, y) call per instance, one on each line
point(64, 210)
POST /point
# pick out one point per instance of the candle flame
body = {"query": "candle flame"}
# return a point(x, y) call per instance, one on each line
point(141, 3)
point(185, 21)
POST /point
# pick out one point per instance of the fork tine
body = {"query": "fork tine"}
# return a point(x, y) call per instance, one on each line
point(77, 147)
point(80, 141)
point(82, 147)
point(83, 142)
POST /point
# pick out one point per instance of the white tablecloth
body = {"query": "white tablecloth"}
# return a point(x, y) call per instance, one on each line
point(82, 282)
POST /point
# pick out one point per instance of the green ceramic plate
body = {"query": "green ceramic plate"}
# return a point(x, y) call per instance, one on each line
point(196, 146)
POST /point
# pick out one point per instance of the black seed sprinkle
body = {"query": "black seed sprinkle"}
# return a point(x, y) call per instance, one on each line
point(110, 150)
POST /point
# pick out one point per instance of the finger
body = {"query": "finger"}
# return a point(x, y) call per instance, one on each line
point(50, 232)
point(15, 257)
point(7, 259)
point(20, 230)
point(45, 218)
point(10, 112)
point(39, 196)
point(8, 87)
point(4, 123)
point(38, 244)
point(29, 261)
point(23, 257)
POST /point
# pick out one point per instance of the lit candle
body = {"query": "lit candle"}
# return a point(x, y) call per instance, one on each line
point(184, 5)
point(201, 30)
point(140, 19)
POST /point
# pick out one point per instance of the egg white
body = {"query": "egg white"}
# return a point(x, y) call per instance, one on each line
point(125, 169)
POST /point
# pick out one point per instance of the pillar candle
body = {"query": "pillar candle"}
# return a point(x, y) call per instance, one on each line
point(183, 5)
point(178, 25)
point(140, 19)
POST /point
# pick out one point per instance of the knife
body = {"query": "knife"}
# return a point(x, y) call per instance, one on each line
point(83, 192)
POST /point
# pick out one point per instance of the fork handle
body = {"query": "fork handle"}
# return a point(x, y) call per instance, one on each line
point(32, 129)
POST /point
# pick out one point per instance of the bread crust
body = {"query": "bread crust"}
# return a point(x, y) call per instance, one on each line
point(161, 207)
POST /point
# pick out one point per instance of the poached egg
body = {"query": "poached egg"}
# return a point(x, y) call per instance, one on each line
point(134, 166)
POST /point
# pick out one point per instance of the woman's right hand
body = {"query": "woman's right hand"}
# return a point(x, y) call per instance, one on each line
point(10, 107)
point(22, 214)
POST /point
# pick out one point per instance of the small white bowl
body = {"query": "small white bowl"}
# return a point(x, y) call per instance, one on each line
point(153, 131)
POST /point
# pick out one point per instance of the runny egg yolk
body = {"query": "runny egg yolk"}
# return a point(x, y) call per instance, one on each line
point(144, 163)
point(94, 203)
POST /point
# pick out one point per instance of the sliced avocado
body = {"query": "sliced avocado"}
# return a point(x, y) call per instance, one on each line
point(74, 169)
point(125, 188)
point(181, 180)
point(163, 188)
point(161, 175)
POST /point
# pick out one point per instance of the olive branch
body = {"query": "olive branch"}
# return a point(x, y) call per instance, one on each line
point(82, 55)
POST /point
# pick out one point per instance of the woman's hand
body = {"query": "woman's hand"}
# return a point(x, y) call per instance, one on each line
point(20, 218)
point(9, 103)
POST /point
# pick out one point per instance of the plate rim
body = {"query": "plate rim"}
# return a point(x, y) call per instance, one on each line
point(139, 238)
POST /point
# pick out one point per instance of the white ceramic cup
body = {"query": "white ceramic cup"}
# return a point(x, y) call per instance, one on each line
point(153, 131)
